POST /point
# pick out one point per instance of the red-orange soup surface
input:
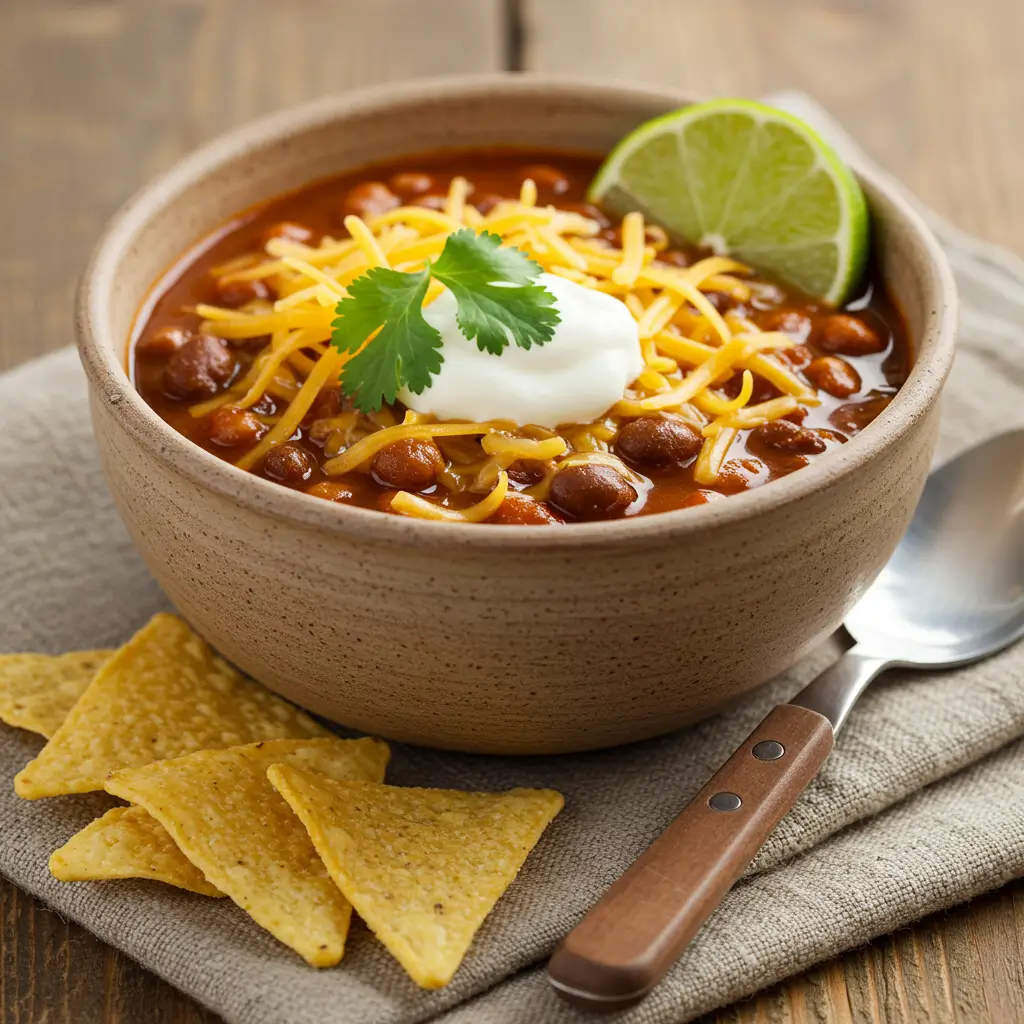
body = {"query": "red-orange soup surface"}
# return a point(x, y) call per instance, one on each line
point(839, 368)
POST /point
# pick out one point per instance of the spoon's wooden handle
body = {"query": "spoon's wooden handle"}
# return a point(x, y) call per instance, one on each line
point(624, 945)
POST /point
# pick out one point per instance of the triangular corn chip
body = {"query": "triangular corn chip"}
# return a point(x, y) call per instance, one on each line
point(221, 810)
point(127, 842)
point(164, 694)
point(38, 690)
point(422, 867)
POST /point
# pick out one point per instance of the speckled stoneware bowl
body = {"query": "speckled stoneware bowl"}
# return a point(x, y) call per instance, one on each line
point(485, 638)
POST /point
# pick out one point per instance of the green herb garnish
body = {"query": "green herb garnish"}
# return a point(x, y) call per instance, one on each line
point(497, 297)
point(407, 350)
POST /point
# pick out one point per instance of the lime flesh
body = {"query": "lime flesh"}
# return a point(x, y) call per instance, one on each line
point(745, 180)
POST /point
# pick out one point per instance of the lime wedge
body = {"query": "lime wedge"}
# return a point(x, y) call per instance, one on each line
point(744, 179)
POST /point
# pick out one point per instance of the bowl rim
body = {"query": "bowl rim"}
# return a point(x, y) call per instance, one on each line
point(100, 350)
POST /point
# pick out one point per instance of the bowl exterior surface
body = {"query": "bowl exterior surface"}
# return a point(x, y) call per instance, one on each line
point(501, 640)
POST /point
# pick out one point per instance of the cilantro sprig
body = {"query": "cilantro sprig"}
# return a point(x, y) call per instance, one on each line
point(406, 351)
point(498, 301)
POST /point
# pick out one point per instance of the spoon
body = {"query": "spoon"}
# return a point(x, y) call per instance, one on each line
point(952, 593)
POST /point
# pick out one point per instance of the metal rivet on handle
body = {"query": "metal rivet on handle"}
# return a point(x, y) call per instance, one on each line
point(725, 802)
point(768, 750)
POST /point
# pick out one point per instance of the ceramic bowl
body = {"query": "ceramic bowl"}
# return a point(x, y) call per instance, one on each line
point(494, 639)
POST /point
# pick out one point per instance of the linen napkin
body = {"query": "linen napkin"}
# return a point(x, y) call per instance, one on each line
point(937, 759)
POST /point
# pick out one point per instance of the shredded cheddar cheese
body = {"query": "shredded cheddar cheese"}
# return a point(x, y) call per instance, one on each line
point(633, 253)
point(364, 451)
point(716, 405)
point(414, 505)
point(690, 349)
point(327, 367)
point(712, 455)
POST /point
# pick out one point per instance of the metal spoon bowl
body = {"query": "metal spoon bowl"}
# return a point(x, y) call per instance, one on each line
point(952, 593)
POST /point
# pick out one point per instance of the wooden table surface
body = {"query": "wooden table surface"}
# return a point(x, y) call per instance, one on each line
point(96, 96)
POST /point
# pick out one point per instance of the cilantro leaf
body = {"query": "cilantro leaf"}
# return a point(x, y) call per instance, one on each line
point(405, 352)
point(498, 299)
point(381, 319)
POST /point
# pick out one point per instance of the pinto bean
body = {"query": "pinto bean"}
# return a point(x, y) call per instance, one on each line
point(831, 435)
point(591, 491)
point(327, 403)
point(739, 475)
point(288, 229)
point(369, 199)
point(231, 427)
point(848, 335)
point(487, 202)
point(764, 389)
point(853, 417)
point(834, 375)
point(199, 369)
point(521, 510)
point(656, 441)
point(799, 357)
point(674, 258)
point(333, 490)
point(432, 202)
point(701, 497)
point(162, 342)
point(527, 471)
point(788, 321)
point(408, 465)
point(289, 464)
point(238, 293)
point(411, 182)
point(784, 436)
point(546, 178)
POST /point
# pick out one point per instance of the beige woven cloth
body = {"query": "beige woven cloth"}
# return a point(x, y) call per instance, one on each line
point(920, 807)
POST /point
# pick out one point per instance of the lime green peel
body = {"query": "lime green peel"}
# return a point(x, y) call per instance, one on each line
point(746, 180)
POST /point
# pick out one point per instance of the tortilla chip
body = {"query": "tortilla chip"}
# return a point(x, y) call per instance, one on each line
point(127, 842)
point(164, 694)
point(221, 810)
point(38, 690)
point(422, 867)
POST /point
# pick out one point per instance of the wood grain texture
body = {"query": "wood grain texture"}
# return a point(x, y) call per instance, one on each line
point(650, 914)
point(962, 967)
point(53, 972)
point(98, 95)
point(931, 88)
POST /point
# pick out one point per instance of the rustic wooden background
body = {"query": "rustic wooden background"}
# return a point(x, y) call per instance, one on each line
point(96, 96)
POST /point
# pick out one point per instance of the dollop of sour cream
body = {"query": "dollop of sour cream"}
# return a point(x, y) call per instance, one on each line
point(575, 377)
